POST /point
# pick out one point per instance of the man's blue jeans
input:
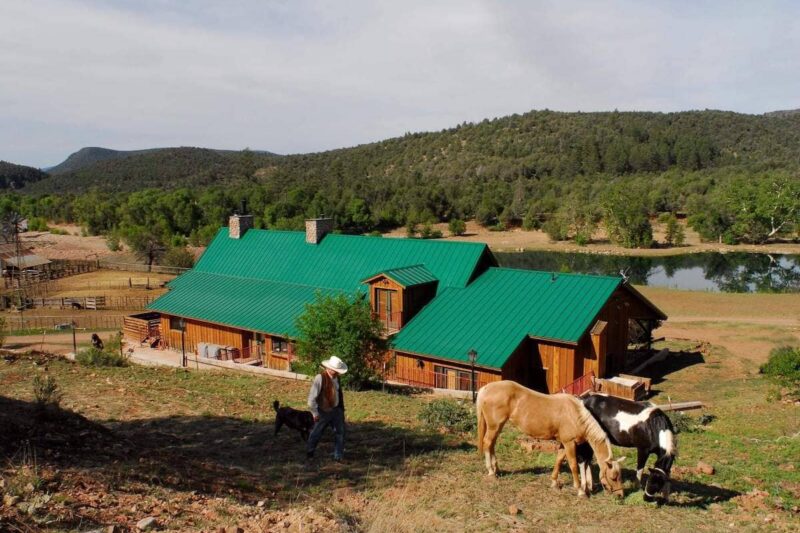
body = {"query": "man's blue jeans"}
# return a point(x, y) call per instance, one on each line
point(334, 418)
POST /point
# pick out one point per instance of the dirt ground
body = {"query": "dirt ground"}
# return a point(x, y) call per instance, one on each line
point(72, 245)
point(517, 240)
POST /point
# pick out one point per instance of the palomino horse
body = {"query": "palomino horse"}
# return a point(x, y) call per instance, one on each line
point(559, 416)
point(639, 425)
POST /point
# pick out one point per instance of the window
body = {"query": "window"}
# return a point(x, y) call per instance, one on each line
point(280, 346)
point(450, 378)
point(439, 377)
point(464, 380)
point(175, 323)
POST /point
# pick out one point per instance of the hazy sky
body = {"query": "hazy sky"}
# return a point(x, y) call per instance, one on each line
point(291, 76)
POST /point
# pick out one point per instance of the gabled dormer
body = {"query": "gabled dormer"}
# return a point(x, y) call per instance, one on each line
point(396, 295)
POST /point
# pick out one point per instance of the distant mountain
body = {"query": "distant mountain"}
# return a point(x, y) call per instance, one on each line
point(17, 176)
point(163, 168)
point(783, 113)
point(91, 154)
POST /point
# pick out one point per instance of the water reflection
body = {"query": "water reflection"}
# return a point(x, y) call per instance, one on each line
point(731, 272)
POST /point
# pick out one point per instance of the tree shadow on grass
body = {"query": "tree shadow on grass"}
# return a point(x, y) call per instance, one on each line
point(215, 456)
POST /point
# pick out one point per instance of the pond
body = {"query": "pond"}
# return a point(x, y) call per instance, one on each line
point(708, 271)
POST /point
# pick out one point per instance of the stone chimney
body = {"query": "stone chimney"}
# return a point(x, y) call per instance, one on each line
point(317, 228)
point(238, 225)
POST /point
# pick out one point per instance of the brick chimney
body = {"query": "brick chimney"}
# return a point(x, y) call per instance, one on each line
point(317, 228)
point(238, 225)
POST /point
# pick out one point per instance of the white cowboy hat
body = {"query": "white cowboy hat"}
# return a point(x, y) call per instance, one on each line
point(335, 364)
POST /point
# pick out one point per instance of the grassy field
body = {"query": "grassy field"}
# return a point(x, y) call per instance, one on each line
point(196, 450)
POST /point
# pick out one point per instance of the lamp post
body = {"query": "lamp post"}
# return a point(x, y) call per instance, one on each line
point(473, 356)
point(182, 325)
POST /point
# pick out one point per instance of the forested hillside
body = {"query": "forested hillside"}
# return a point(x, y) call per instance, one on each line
point(735, 176)
point(135, 169)
point(160, 167)
point(17, 176)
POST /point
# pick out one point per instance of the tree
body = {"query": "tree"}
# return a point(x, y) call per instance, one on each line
point(457, 227)
point(626, 216)
point(178, 256)
point(674, 234)
point(344, 326)
point(145, 243)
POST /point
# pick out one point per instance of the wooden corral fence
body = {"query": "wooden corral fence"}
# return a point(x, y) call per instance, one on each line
point(56, 269)
point(96, 303)
point(138, 267)
point(64, 323)
point(142, 327)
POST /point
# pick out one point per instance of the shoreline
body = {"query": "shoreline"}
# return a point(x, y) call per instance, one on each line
point(519, 241)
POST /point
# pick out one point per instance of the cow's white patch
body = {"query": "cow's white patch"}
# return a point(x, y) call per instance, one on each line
point(665, 441)
point(627, 420)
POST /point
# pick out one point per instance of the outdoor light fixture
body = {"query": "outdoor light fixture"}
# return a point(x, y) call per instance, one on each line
point(473, 356)
point(182, 325)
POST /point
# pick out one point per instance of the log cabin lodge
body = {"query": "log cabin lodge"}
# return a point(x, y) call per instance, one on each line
point(439, 300)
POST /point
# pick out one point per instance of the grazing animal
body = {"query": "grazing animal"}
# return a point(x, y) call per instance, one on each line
point(558, 416)
point(638, 425)
point(302, 421)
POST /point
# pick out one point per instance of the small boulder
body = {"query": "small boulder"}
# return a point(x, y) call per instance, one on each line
point(513, 510)
point(705, 468)
point(146, 524)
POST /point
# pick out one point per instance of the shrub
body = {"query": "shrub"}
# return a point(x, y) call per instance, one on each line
point(427, 232)
point(46, 392)
point(783, 367)
point(497, 227)
point(37, 224)
point(457, 227)
point(556, 228)
point(106, 357)
point(58, 231)
point(113, 243)
point(451, 415)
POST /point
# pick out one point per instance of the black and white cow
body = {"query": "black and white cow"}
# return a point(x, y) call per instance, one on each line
point(638, 425)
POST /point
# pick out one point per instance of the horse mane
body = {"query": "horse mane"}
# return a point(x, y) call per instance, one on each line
point(594, 433)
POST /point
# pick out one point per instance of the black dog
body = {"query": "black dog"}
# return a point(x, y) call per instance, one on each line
point(302, 421)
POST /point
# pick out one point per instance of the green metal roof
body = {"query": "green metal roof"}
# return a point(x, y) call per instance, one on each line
point(254, 305)
point(262, 281)
point(500, 308)
point(409, 276)
point(338, 261)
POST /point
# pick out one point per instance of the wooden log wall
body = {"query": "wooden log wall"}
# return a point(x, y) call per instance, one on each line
point(418, 371)
point(197, 331)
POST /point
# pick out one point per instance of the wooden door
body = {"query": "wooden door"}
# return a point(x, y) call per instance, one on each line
point(386, 302)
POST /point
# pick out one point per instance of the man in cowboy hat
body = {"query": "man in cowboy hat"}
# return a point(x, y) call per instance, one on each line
point(326, 403)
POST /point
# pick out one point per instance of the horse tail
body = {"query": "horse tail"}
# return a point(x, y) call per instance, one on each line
point(481, 423)
point(667, 439)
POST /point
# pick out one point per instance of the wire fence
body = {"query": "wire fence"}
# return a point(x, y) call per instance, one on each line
point(64, 323)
